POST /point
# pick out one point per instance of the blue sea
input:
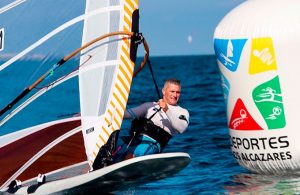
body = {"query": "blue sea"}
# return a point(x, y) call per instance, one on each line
point(213, 169)
point(206, 140)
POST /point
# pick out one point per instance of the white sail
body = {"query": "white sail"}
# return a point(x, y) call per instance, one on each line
point(43, 125)
point(105, 79)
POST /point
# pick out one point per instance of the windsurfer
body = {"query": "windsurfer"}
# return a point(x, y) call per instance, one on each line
point(154, 124)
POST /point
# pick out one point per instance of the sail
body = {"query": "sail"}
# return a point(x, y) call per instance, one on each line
point(33, 40)
point(105, 80)
point(42, 127)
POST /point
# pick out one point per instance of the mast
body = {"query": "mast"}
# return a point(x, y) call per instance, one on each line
point(105, 80)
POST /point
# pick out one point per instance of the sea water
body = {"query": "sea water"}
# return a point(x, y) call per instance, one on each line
point(213, 169)
point(206, 140)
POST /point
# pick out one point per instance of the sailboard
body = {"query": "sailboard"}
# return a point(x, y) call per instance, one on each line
point(119, 176)
point(65, 78)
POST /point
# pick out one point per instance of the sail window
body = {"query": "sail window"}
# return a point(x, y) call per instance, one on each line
point(114, 2)
point(107, 84)
point(112, 53)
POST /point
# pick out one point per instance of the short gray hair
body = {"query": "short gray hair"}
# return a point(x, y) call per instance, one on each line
point(172, 81)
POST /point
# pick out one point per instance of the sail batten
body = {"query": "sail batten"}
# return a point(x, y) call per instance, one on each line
point(11, 6)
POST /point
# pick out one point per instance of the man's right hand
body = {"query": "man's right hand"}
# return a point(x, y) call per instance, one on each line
point(163, 105)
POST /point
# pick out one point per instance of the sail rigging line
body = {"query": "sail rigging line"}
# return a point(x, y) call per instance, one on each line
point(146, 60)
point(146, 56)
point(63, 77)
point(58, 64)
point(153, 78)
point(35, 96)
point(40, 153)
point(156, 87)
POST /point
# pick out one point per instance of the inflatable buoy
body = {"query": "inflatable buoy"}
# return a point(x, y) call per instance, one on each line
point(257, 50)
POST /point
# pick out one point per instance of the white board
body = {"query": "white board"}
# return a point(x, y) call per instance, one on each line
point(128, 173)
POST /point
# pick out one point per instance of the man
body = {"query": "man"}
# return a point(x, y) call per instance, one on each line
point(154, 124)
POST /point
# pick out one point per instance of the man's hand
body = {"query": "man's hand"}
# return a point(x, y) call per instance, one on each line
point(163, 105)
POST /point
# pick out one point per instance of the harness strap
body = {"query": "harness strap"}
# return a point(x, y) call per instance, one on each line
point(147, 127)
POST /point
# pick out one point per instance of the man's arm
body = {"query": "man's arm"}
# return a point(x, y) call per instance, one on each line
point(179, 118)
point(137, 112)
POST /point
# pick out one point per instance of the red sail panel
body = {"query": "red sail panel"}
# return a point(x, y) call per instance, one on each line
point(70, 151)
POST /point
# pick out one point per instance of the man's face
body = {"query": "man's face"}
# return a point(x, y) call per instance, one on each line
point(171, 93)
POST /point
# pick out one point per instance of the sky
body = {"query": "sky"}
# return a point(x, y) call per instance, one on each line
point(182, 27)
